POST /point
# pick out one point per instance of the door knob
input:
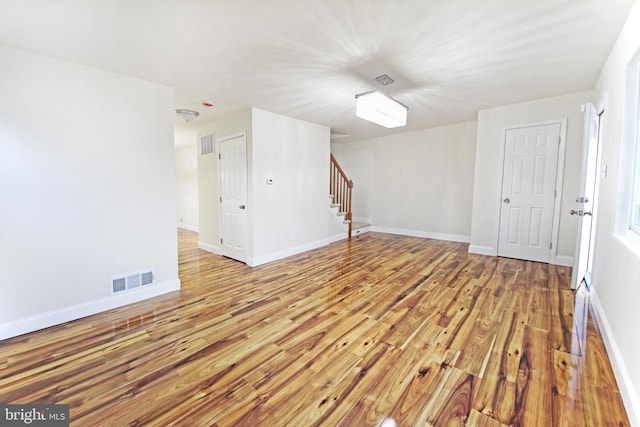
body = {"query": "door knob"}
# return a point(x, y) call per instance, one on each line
point(588, 213)
point(242, 206)
point(507, 200)
point(579, 213)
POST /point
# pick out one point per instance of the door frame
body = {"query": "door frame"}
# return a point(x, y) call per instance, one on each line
point(218, 141)
point(553, 259)
point(600, 110)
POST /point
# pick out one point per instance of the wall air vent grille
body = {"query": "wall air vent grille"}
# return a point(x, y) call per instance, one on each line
point(118, 285)
point(133, 281)
point(206, 144)
point(127, 282)
point(146, 278)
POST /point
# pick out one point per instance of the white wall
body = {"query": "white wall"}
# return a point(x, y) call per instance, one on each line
point(417, 183)
point(486, 193)
point(187, 184)
point(616, 270)
point(357, 160)
point(87, 183)
point(287, 217)
point(291, 215)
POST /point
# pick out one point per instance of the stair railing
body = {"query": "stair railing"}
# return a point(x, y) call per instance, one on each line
point(341, 188)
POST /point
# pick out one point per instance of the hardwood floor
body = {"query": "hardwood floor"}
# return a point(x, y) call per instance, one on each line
point(383, 325)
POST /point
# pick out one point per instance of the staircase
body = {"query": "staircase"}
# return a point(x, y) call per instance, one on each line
point(340, 216)
point(340, 190)
point(340, 196)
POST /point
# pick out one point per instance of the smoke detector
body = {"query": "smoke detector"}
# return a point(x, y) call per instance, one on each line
point(384, 80)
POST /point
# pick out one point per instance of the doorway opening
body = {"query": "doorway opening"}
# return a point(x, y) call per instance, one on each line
point(586, 201)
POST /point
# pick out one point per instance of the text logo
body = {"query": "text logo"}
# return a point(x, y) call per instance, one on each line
point(34, 415)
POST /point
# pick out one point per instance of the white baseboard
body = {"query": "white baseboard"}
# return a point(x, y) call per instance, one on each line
point(488, 250)
point(424, 234)
point(627, 390)
point(336, 238)
point(483, 250)
point(56, 317)
point(562, 260)
point(210, 248)
point(274, 256)
point(189, 227)
point(359, 231)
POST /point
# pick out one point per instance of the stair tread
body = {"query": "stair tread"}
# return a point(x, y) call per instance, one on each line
point(357, 225)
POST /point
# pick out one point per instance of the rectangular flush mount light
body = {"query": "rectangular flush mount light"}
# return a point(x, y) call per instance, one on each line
point(381, 109)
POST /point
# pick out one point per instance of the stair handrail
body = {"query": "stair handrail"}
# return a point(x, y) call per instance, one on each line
point(341, 187)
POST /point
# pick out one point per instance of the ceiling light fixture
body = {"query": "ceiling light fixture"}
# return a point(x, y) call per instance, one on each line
point(187, 115)
point(381, 109)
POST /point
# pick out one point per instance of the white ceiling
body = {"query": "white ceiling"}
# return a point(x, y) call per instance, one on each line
point(308, 58)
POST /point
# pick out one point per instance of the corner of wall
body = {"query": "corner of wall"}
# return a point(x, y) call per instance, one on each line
point(564, 260)
point(210, 248)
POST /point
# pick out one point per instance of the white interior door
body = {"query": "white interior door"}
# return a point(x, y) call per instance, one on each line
point(585, 202)
point(529, 192)
point(233, 196)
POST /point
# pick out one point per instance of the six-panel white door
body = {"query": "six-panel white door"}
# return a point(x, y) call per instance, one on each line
point(233, 196)
point(528, 192)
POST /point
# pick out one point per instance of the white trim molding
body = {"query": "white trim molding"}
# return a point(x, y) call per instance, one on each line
point(564, 260)
point(210, 248)
point(189, 227)
point(67, 314)
point(336, 238)
point(627, 390)
point(488, 250)
point(423, 234)
point(483, 250)
point(274, 256)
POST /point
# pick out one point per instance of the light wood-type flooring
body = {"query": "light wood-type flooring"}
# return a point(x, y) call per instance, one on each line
point(380, 326)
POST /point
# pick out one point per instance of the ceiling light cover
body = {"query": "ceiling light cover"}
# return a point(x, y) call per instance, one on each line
point(187, 115)
point(381, 109)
